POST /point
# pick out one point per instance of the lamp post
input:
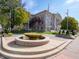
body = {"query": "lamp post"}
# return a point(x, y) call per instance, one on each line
point(28, 22)
point(67, 18)
point(1, 30)
point(2, 39)
point(28, 19)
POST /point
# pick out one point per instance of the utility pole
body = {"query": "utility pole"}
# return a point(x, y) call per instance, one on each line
point(67, 18)
point(28, 20)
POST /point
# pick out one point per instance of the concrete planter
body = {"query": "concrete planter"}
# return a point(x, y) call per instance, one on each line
point(66, 36)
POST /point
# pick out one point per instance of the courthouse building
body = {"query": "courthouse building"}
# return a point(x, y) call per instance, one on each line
point(45, 21)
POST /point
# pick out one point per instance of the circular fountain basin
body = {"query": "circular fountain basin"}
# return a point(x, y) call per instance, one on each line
point(39, 41)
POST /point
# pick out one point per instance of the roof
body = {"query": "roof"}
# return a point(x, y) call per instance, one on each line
point(44, 11)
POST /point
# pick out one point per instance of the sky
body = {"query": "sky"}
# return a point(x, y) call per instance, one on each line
point(55, 6)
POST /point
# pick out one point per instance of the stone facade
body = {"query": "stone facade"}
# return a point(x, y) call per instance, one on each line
point(46, 21)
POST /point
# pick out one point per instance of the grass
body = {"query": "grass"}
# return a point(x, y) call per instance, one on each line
point(22, 32)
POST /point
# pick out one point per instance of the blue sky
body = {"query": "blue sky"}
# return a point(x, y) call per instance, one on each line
point(56, 6)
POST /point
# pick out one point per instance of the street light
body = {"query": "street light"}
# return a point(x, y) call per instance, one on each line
point(28, 19)
point(1, 30)
point(67, 18)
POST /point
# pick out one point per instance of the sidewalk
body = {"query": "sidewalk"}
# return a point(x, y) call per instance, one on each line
point(70, 52)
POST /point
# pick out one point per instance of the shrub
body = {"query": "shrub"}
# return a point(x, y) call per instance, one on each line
point(19, 31)
point(6, 31)
point(54, 33)
point(10, 34)
point(59, 32)
point(73, 33)
point(67, 33)
point(63, 31)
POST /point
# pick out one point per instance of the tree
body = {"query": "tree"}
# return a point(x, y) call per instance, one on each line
point(72, 24)
point(14, 11)
point(7, 11)
point(21, 16)
point(3, 20)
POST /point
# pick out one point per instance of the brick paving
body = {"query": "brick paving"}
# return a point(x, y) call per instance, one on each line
point(70, 52)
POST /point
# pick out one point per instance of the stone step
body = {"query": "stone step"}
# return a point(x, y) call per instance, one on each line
point(53, 44)
point(2, 58)
point(37, 56)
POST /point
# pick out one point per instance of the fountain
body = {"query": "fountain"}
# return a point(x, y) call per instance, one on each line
point(31, 46)
point(32, 40)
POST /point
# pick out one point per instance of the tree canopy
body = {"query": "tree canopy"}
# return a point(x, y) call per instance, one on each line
point(12, 13)
point(21, 16)
point(72, 23)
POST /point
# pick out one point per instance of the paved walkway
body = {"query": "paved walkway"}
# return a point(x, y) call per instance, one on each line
point(70, 52)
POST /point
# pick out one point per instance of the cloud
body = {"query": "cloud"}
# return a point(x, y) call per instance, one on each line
point(71, 1)
point(71, 4)
point(29, 3)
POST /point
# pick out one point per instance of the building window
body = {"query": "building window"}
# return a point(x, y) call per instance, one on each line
point(41, 27)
